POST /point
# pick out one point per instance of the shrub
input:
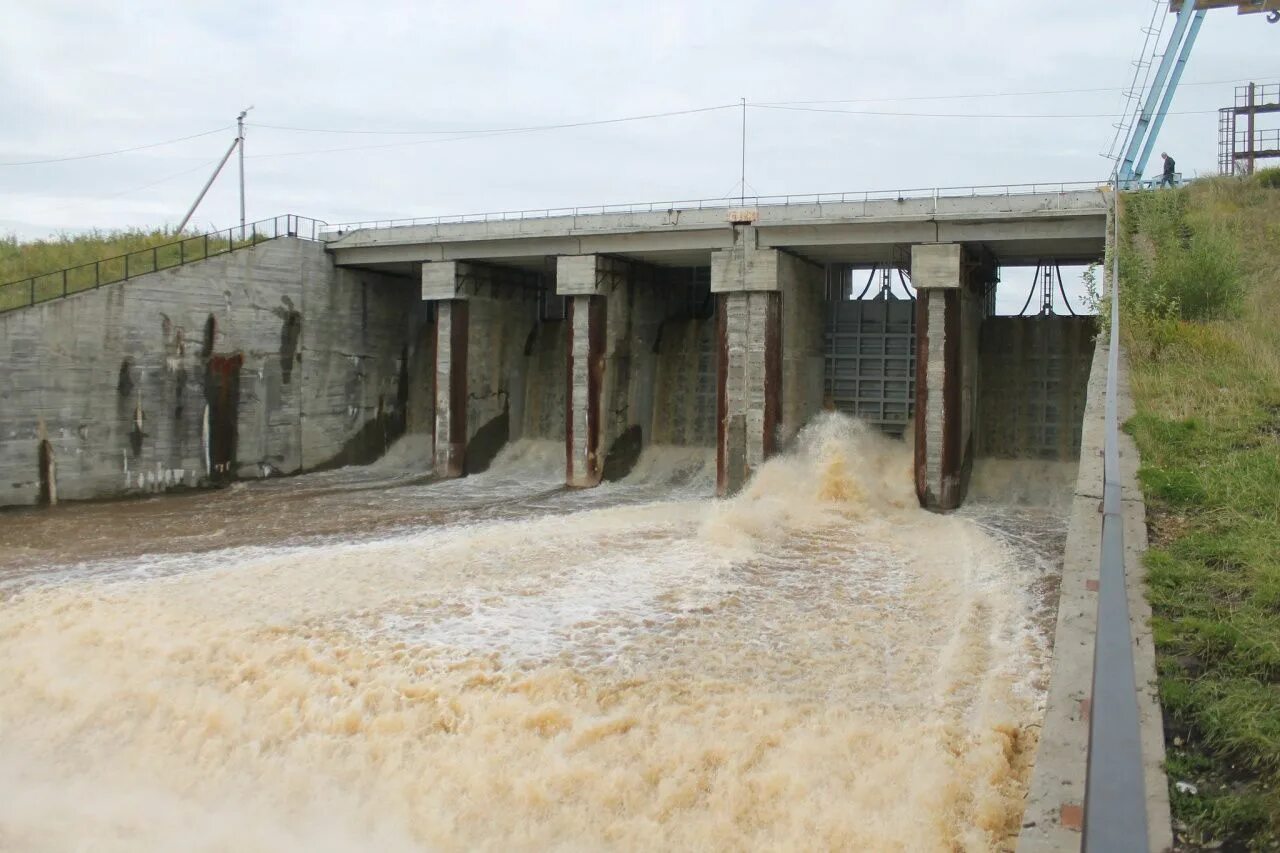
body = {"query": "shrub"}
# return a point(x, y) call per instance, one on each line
point(1174, 270)
point(1269, 178)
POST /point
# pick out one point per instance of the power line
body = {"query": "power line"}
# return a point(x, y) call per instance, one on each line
point(958, 115)
point(974, 96)
point(497, 132)
point(494, 130)
point(117, 151)
point(163, 180)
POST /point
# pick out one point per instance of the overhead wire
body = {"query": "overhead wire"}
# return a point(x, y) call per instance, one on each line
point(495, 132)
point(979, 95)
point(166, 179)
point(956, 115)
point(118, 150)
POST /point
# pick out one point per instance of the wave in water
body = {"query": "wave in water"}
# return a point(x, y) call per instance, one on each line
point(814, 663)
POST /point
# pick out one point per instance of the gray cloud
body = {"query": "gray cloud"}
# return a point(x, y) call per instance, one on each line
point(84, 76)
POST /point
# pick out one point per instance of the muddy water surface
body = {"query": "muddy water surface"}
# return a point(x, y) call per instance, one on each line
point(365, 659)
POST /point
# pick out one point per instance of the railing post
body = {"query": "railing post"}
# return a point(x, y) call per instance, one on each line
point(33, 290)
point(64, 282)
point(126, 266)
point(182, 252)
point(97, 275)
point(155, 258)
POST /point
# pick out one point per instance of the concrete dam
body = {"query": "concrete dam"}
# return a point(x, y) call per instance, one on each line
point(641, 528)
point(724, 327)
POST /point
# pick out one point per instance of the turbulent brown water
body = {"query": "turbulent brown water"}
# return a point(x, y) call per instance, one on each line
point(368, 660)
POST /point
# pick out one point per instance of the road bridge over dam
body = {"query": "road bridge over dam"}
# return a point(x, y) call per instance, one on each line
point(734, 324)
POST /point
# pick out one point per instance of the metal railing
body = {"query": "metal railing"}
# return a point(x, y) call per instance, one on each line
point(1115, 806)
point(64, 282)
point(863, 196)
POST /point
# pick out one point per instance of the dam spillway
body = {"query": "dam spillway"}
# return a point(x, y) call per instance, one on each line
point(501, 661)
point(528, 622)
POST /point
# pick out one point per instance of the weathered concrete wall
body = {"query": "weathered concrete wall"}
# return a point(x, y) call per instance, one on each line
point(803, 324)
point(684, 411)
point(543, 392)
point(636, 310)
point(502, 318)
point(260, 361)
point(1034, 376)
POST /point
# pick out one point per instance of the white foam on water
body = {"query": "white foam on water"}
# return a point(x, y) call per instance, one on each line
point(813, 663)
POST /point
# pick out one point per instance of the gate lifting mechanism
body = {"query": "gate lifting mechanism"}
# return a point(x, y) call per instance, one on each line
point(1141, 140)
point(884, 290)
point(1048, 277)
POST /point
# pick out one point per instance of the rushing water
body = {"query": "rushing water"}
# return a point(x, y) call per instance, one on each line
point(366, 659)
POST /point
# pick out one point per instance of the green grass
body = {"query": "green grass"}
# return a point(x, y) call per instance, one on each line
point(1201, 321)
point(33, 270)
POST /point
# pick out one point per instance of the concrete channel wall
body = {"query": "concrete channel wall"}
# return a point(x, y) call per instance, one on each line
point(265, 360)
point(1055, 803)
point(1033, 376)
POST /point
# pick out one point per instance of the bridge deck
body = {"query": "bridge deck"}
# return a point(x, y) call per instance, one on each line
point(1017, 227)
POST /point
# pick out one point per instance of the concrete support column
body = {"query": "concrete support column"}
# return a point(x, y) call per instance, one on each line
point(748, 384)
point(450, 434)
point(758, 289)
point(949, 310)
point(440, 285)
point(483, 318)
point(584, 459)
point(590, 282)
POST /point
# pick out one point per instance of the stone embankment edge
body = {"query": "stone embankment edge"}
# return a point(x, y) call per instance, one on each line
point(1054, 814)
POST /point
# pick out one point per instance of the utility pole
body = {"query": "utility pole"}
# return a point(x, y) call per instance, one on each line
point(240, 143)
point(235, 143)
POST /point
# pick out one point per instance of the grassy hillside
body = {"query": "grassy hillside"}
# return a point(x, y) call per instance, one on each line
point(43, 260)
point(20, 259)
point(1201, 321)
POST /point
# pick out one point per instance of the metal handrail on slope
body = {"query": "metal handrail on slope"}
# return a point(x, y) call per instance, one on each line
point(992, 190)
point(1115, 806)
point(44, 287)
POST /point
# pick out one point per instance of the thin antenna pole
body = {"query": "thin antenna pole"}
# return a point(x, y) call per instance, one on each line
point(742, 199)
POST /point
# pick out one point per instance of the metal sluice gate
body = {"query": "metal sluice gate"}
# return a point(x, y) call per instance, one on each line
point(870, 352)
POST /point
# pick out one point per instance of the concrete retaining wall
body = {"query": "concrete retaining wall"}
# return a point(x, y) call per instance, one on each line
point(265, 360)
point(1055, 802)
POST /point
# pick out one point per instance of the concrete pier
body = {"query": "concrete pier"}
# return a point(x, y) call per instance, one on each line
point(951, 283)
point(484, 317)
point(763, 292)
point(616, 309)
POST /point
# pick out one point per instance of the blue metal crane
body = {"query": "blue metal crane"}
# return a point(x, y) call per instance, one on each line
point(1142, 137)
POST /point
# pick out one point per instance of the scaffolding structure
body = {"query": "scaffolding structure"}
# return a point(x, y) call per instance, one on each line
point(1241, 142)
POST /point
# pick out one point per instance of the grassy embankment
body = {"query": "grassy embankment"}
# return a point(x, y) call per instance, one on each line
point(1201, 322)
point(36, 265)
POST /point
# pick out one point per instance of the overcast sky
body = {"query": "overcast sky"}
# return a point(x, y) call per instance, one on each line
point(89, 76)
